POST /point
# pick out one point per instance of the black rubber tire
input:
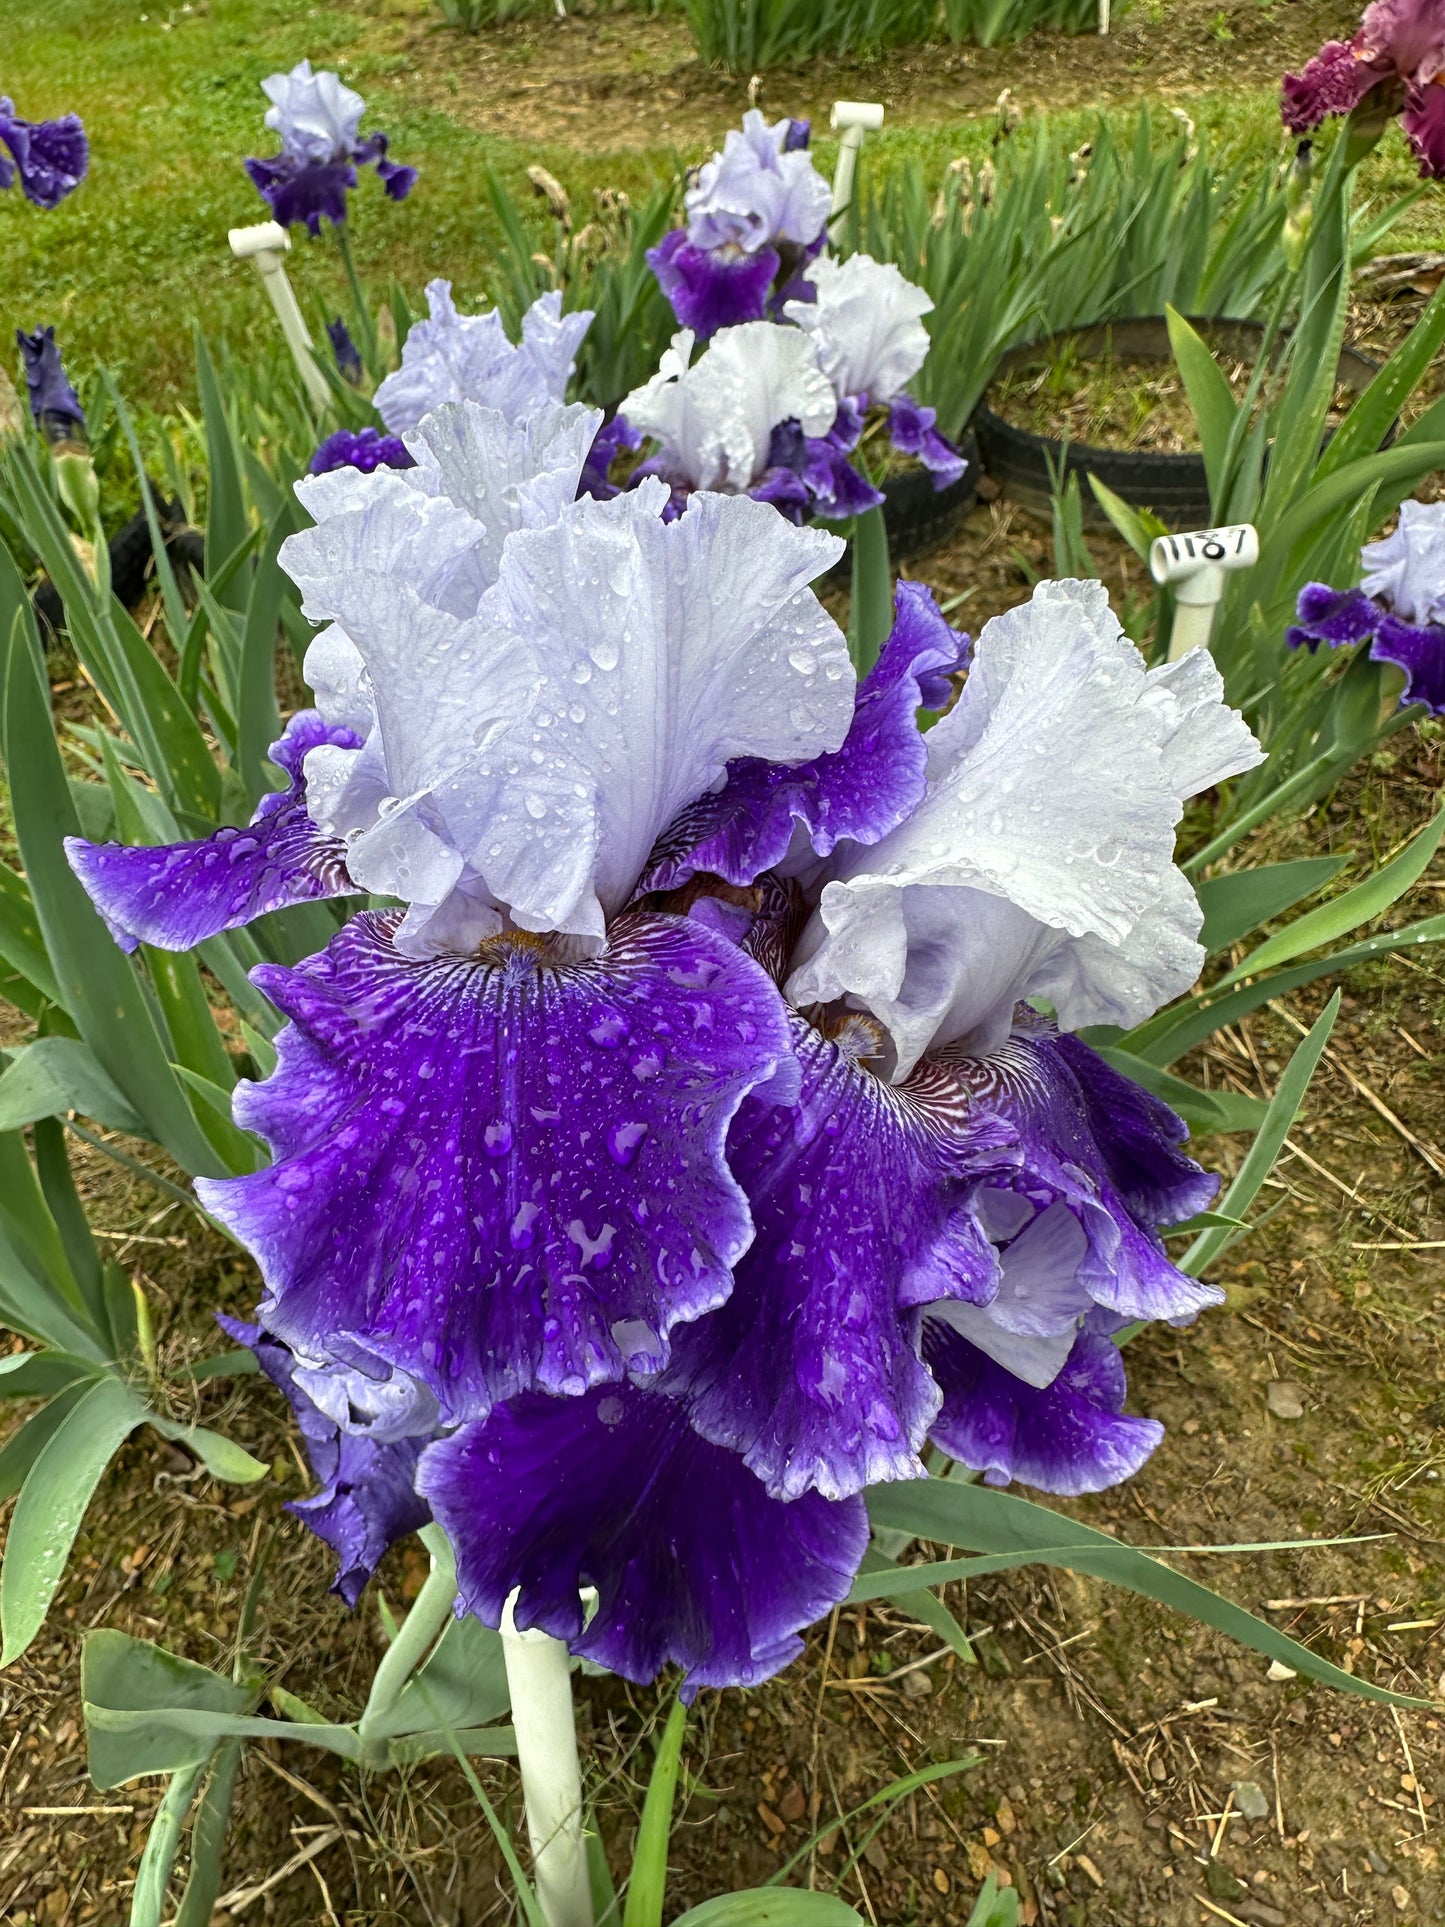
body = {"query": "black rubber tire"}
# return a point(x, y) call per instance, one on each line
point(918, 516)
point(1174, 487)
point(130, 562)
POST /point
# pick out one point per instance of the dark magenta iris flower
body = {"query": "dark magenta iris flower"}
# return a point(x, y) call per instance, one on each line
point(1401, 47)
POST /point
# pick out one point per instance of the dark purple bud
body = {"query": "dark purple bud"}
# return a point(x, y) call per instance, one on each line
point(799, 133)
point(53, 402)
point(51, 156)
point(348, 360)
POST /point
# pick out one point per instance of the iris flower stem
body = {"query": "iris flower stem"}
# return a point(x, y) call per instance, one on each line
point(417, 1631)
point(540, 1678)
point(358, 300)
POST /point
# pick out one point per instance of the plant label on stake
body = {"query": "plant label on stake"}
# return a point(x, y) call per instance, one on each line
point(1196, 563)
point(265, 244)
point(850, 120)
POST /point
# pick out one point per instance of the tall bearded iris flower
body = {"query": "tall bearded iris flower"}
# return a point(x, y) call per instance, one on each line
point(1399, 608)
point(1398, 56)
point(469, 357)
point(49, 158)
point(670, 1161)
point(756, 214)
point(318, 121)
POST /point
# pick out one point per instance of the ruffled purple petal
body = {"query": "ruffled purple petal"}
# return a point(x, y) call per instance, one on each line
point(787, 491)
point(1107, 1149)
point(711, 288)
point(175, 895)
point(811, 1370)
point(368, 1498)
point(498, 1172)
point(303, 193)
point(51, 156)
point(1424, 123)
point(1334, 82)
point(912, 432)
point(1334, 616)
point(693, 1563)
point(1420, 651)
point(1070, 1437)
point(396, 178)
point(860, 791)
point(364, 448)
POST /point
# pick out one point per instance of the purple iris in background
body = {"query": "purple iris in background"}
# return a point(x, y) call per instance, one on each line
point(363, 448)
point(1399, 608)
point(756, 214)
point(53, 402)
point(48, 157)
point(755, 415)
point(348, 356)
point(675, 1159)
point(1398, 56)
point(318, 121)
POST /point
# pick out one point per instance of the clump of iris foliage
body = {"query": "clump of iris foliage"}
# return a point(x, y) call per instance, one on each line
point(712, 1159)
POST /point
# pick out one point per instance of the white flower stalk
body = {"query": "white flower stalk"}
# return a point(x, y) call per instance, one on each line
point(539, 1677)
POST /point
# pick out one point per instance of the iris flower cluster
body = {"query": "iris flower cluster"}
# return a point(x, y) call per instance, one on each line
point(762, 411)
point(1396, 60)
point(688, 1145)
point(318, 120)
point(1399, 608)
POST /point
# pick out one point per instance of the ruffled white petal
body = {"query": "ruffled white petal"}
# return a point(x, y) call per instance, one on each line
point(713, 421)
point(454, 357)
point(1040, 862)
point(316, 117)
point(1407, 569)
point(866, 325)
point(754, 193)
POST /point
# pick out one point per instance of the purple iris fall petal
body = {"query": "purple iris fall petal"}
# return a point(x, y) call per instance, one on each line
point(1333, 616)
point(1424, 123)
point(303, 193)
point(712, 288)
point(364, 448)
point(368, 1498)
point(51, 156)
point(496, 1171)
point(175, 895)
point(787, 491)
point(397, 178)
point(611, 440)
point(811, 1370)
point(911, 429)
point(1334, 82)
point(1069, 1437)
point(859, 791)
point(693, 1563)
point(1418, 649)
point(53, 402)
point(1108, 1150)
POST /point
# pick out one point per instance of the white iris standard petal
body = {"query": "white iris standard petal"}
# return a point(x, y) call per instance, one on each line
point(315, 115)
point(1407, 569)
point(866, 325)
point(757, 191)
point(452, 357)
point(1040, 861)
point(713, 419)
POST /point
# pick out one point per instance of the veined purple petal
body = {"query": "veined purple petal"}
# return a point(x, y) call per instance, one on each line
point(859, 791)
point(1070, 1437)
point(811, 1370)
point(51, 156)
point(1333, 616)
point(1110, 1151)
point(368, 1498)
point(712, 288)
point(912, 432)
point(1418, 649)
point(498, 1171)
point(303, 193)
point(693, 1563)
point(175, 895)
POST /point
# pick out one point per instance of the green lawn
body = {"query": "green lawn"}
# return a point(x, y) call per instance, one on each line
point(170, 95)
